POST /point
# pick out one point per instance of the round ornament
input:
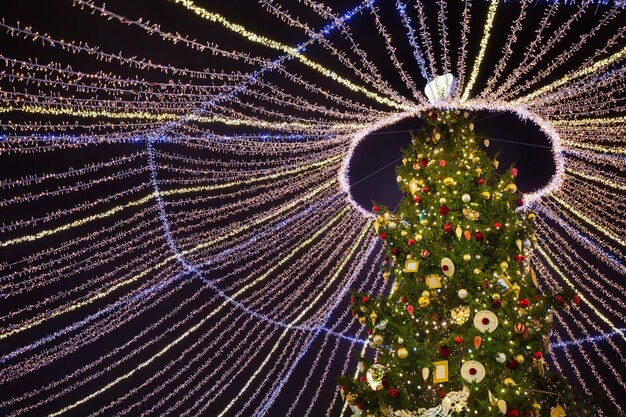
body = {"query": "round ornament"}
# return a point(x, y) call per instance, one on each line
point(467, 257)
point(500, 357)
point(462, 294)
point(447, 267)
point(423, 301)
point(403, 353)
point(485, 321)
point(374, 376)
point(466, 198)
point(377, 339)
point(473, 371)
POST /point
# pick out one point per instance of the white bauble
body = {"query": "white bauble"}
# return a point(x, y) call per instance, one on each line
point(466, 198)
point(462, 294)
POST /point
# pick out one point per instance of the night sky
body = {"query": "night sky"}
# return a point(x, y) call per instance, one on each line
point(372, 169)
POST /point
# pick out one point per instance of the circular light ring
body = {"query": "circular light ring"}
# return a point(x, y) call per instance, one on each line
point(474, 105)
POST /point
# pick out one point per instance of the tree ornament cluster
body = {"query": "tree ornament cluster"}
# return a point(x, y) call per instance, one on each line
point(465, 310)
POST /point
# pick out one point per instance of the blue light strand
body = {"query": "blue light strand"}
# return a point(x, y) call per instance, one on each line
point(406, 20)
point(589, 339)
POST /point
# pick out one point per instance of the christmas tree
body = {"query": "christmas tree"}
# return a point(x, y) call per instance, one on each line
point(465, 328)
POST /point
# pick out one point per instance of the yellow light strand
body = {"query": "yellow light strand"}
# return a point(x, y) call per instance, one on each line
point(153, 195)
point(580, 73)
point(483, 47)
point(200, 323)
point(174, 116)
point(597, 179)
point(159, 265)
point(284, 333)
point(589, 221)
point(582, 296)
point(216, 18)
point(604, 149)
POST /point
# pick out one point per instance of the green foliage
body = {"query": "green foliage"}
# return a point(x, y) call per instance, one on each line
point(458, 212)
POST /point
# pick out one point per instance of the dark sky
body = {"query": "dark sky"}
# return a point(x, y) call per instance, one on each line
point(532, 155)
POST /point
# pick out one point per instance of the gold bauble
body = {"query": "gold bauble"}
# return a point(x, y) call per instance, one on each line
point(536, 406)
point(519, 358)
point(512, 188)
point(404, 233)
point(362, 320)
point(485, 195)
point(467, 257)
point(504, 266)
point(448, 181)
point(509, 382)
point(378, 339)
point(403, 353)
point(531, 216)
point(423, 301)
point(418, 237)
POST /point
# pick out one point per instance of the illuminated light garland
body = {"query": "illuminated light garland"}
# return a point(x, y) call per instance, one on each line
point(491, 14)
point(205, 253)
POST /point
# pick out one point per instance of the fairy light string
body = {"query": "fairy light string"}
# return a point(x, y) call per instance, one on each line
point(209, 233)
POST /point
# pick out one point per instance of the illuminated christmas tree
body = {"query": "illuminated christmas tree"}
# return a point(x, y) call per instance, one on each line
point(465, 329)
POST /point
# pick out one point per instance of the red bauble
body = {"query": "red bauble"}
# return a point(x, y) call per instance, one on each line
point(519, 202)
point(365, 299)
point(395, 251)
point(444, 210)
point(442, 163)
point(433, 116)
point(404, 300)
point(512, 413)
point(479, 236)
point(425, 254)
point(425, 189)
point(362, 378)
point(519, 258)
point(444, 351)
point(480, 181)
point(442, 393)
point(524, 303)
point(393, 392)
point(458, 340)
point(496, 303)
point(375, 208)
point(423, 162)
point(411, 242)
point(447, 227)
point(383, 235)
point(369, 331)
point(514, 172)
point(576, 299)
point(538, 355)
point(497, 225)
point(417, 198)
point(512, 364)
